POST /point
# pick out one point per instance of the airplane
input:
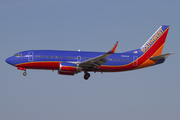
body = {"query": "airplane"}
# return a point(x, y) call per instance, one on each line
point(73, 62)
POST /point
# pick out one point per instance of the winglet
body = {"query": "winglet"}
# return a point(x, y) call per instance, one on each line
point(113, 48)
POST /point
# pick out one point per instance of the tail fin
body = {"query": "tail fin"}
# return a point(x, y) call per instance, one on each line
point(156, 42)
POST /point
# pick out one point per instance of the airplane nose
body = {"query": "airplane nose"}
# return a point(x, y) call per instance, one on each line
point(8, 60)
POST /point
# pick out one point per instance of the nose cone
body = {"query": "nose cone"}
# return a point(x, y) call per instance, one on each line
point(8, 60)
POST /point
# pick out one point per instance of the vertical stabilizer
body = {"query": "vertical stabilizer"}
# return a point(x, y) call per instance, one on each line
point(156, 42)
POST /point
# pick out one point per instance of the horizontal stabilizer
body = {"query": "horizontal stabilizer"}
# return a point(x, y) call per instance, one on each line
point(160, 56)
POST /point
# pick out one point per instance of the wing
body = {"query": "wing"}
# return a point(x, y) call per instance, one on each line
point(160, 56)
point(99, 60)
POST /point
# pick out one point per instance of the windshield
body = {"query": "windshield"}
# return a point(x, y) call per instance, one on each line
point(18, 55)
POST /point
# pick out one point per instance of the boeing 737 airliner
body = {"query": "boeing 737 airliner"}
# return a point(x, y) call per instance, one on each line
point(73, 62)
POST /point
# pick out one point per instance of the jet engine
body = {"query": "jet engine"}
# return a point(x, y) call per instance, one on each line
point(66, 68)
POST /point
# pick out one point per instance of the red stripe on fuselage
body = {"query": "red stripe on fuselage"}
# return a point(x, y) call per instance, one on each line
point(40, 65)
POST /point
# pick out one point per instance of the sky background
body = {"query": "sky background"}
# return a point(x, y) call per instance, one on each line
point(147, 94)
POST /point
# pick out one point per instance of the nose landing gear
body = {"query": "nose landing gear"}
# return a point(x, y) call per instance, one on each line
point(24, 73)
point(86, 75)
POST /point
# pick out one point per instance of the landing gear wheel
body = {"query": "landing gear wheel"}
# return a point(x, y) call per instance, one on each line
point(24, 73)
point(86, 76)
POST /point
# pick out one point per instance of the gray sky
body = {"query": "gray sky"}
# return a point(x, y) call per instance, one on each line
point(147, 94)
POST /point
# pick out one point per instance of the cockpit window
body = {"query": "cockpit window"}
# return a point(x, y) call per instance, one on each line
point(18, 55)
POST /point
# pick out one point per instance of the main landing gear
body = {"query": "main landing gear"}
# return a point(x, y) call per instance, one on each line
point(24, 73)
point(86, 75)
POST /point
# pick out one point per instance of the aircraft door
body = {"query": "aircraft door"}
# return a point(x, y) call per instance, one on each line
point(78, 58)
point(30, 55)
point(135, 60)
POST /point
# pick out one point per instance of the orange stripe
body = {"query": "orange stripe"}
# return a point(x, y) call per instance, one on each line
point(149, 62)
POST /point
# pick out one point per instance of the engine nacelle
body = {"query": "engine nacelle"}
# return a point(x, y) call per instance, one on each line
point(66, 68)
